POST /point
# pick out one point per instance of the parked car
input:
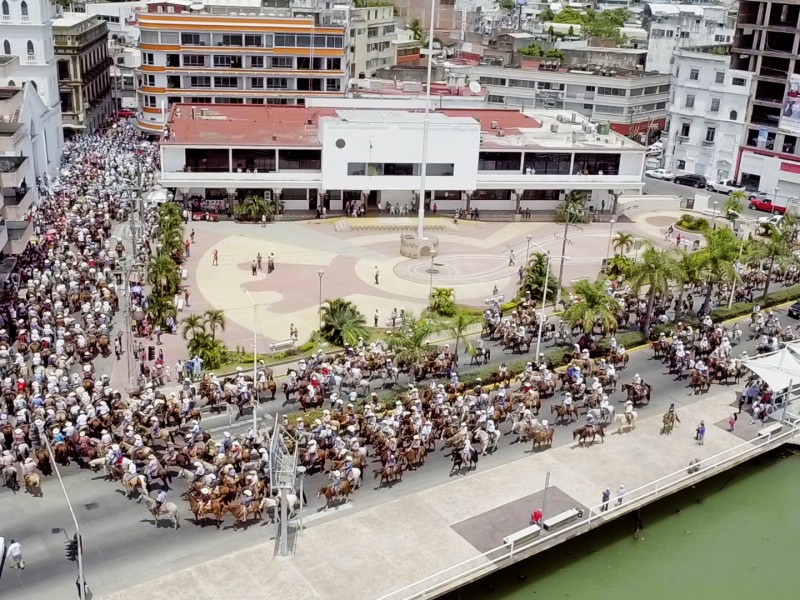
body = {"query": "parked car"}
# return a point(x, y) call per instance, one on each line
point(761, 202)
point(126, 113)
point(660, 174)
point(794, 310)
point(773, 220)
point(698, 181)
point(725, 186)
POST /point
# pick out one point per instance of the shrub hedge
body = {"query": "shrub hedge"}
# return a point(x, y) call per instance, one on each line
point(692, 223)
point(739, 309)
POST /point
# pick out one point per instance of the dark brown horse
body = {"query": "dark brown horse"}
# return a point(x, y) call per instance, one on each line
point(582, 434)
point(564, 412)
point(545, 436)
point(345, 489)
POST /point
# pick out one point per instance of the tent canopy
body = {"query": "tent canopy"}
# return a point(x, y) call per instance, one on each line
point(780, 369)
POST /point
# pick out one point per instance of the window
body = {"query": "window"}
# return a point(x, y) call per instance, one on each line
point(168, 37)
point(670, 33)
point(333, 85)
point(499, 161)
point(680, 165)
point(694, 74)
point(63, 70)
point(589, 88)
point(256, 83)
point(277, 83)
point(440, 170)
point(256, 62)
point(200, 82)
point(607, 91)
point(148, 58)
point(734, 115)
point(356, 168)
point(306, 160)
point(609, 110)
point(714, 105)
point(594, 163)
point(334, 64)
point(226, 82)
point(740, 81)
point(303, 40)
point(194, 60)
point(229, 39)
point(150, 101)
point(148, 37)
point(149, 80)
point(711, 133)
point(689, 101)
point(521, 83)
point(282, 62)
point(546, 163)
point(663, 89)
point(190, 39)
point(23, 9)
point(719, 77)
point(31, 51)
point(722, 38)
point(253, 40)
point(492, 81)
point(637, 91)
point(6, 47)
point(5, 8)
point(227, 60)
point(684, 34)
point(208, 160)
point(66, 100)
point(685, 129)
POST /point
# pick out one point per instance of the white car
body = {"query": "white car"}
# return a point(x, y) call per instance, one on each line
point(724, 186)
point(660, 174)
point(773, 220)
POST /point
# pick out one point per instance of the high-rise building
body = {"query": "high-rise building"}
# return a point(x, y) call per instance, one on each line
point(766, 44)
point(238, 54)
point(372, 31)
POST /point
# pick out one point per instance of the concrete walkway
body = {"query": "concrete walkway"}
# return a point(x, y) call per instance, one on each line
point(387, 547)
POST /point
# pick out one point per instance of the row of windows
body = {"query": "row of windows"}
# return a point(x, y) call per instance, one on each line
point(23, 9)
point(28, 47)
point(231, 61)
point(396, 169)
point(549, 163)
point(247, 40)
point(547, 85)
point(291, 40)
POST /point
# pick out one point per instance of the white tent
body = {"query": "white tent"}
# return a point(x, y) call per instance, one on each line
point(780, 369)
point(156, 196)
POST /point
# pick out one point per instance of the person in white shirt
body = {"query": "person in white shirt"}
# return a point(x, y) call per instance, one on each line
point(15, 553)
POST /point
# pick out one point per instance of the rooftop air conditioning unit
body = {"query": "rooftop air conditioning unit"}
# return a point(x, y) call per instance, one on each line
point(554, 128)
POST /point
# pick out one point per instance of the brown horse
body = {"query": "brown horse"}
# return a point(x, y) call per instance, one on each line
point(545, 436)
point(33, 484)
point(238, 512)
point(583, 433)
point(388, 474)
point(204, 510)
point(345, 489)
point(638, 397)
point(43, 460)
point(564, 412)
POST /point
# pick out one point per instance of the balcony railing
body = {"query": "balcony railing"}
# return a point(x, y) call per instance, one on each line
point(708, 143)
point(682, 139)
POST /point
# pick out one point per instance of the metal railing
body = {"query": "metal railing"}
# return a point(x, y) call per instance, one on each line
point(438, 583)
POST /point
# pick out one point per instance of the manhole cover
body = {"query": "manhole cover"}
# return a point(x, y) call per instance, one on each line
point(91, 506)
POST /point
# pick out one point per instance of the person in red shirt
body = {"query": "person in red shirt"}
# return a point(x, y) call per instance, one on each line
point(536, 517)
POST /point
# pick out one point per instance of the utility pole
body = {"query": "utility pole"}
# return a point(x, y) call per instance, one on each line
point(563, 255)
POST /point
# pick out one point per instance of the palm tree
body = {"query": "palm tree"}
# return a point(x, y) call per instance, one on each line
point(534, 276)
point(619, 266)
point(162, 274)
point(342, 323)
point(716, 259)
point(172, 243)
point(214, 319)
point(417, 30)
point(160, 307)
point(778, 247)
point(411, 340)
point(572, 209)
point(443, 302)
point(193, 324)
point(595, 307)
point(622, 242)
point(254, 207)
point(206, 347)
point(458, 326)
point(655, 270)
point(688, 273)
point(734, 203)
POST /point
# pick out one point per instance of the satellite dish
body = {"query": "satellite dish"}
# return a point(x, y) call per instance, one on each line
point(474, 87)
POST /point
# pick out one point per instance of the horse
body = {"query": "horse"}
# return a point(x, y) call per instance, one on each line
point(638, 397)
point(168, 510)
point(388, 474)
point(525, 430)
point(582, 433)
point(458, 460)
point(10, 478)
point(345, 489)
point(563, 411)
point(543, 436)
point(33, 484)
point(137, 481)
point(203, 510)
point(488, 442)
point(602, 415)
point(242, 515)
point(668, 422)
point(626, 421)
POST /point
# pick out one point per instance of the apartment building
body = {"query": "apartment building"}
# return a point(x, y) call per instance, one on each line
point(766, 44)
point(674, 26)
point(372, 33)
point(243, 54)
point(707, 112)
point(84, 77)
point(633, 102)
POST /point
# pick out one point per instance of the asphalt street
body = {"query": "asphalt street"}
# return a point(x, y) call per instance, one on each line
point(122, 546)
point(657, 187)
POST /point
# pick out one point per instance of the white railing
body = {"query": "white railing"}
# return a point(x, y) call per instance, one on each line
point(490, 561)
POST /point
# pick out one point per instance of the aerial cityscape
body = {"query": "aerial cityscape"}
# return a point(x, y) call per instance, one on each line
point(398, 299)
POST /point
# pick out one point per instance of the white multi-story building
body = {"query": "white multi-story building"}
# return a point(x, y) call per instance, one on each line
point(372, 31)
point(205, 53)
point(26, 31)
point(674, 26)
point(316, 156)
point(707, 113)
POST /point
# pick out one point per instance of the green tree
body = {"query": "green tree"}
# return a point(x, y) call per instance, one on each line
point(254, 207)
point(568, 15)
point(688, 273)
point(417, 30)
point(191, 326)
point(162, 274)
point(172, 244)
point(547, 15)
point(654, 271)
point(458, 326)
point(214, 319)
point(573, 208)
point(342, 323)
point(619, 267)
point(622, 242)
point(734, 203)
point(716, 260)
point(443, 302)
point(777, 247)
point(595, 307)
point(213, 352)
point(160, 307)
point(411, 341)
point(534, 276)
point(507, 5)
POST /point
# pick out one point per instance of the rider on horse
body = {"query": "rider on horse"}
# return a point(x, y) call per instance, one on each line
point(161, 498)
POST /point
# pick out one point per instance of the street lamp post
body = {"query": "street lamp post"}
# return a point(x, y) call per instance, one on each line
point(301, 471)
point(610, 231)
point(321, 274)
point(430, 285)
point(425, 127)
point(714, 220)
point(775, 200)
point(528, 237)
point(255, 367)
point(544, 300)
point(736, 274)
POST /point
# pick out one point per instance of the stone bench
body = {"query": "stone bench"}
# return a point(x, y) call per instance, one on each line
point(184, 273)
point(562, 518)
point(522, 534)
point(282, 345)
point(179, 302)
point(770, 429)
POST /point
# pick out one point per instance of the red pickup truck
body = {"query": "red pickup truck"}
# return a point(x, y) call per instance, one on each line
point(765, 204)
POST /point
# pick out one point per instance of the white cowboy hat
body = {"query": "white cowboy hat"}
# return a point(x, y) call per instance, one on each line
point(205, 491)
point(248, 493)
point(336, 473)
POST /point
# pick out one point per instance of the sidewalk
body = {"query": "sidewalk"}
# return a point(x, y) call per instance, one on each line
point(392, 545)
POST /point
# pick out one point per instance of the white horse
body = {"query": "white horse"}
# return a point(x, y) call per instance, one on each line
point(525, 429)
point(137, 481)
point(354, 477)
point(603, 417)
point(273, 506)
point(488, 442)
point(168, 510)
point(624, 422)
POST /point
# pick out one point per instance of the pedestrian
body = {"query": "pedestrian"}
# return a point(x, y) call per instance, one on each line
point(15, 553)
point(254, 267)
point(186, 297)
point(187, 248)
point(168, 373)
point(394, 317)
point(521, 273)
point(377, 274)
point(185, 216)
point(158, 334)
point(376, 317)
point(215, 260)
point(620, 494)
point(606, 498)
point(258, 260)
point(191, 235)
point(117, 348)
point(511, 262)
point(536, 517)
point(701, 433)
point(732, 422)
point(271, 263)
point(678, 240)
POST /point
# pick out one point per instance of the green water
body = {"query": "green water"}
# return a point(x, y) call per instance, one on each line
point(734, 537)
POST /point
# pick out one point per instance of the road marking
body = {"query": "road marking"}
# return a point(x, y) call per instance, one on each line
point(327, 513)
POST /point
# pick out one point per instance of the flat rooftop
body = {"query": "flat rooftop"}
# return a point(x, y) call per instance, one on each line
point(298, 126)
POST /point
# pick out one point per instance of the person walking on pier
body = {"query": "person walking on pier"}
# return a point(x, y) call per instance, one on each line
point(620, 494)
point(606, 498)
point(701, 433)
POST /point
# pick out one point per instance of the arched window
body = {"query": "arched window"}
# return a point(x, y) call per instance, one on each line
point(30, 48)
point(5, 8)
point(734, 116)
point(11, 83)
point(24, 8)
point(6, 47)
